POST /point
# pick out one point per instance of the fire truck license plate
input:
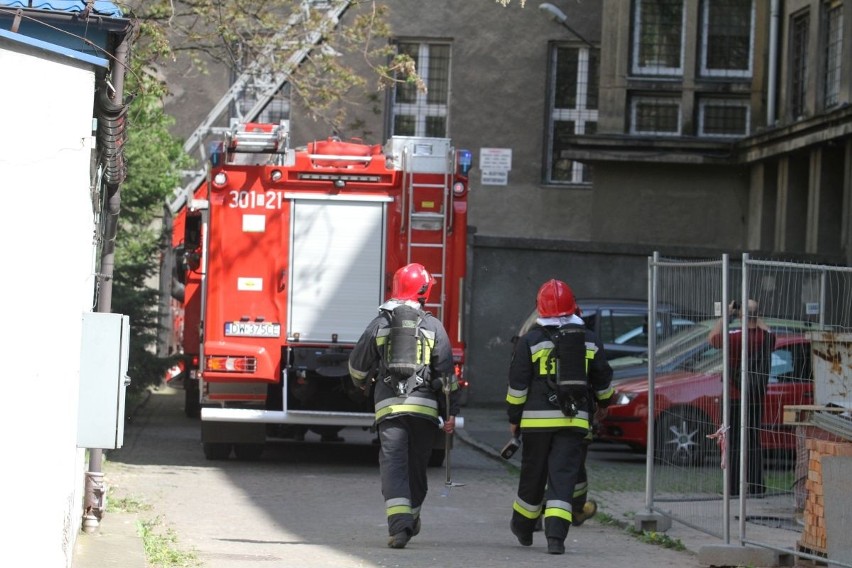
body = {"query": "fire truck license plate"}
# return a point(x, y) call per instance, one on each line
point(252, 329)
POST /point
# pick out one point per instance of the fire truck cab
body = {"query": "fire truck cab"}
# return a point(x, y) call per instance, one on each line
point(285, 255)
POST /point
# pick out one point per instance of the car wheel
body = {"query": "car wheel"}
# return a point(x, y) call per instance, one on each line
point(681, 435)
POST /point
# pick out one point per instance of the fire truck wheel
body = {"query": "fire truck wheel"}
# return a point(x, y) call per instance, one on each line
point(436, 458)
point(191, 402)
point(248, 452)
point(216, 451)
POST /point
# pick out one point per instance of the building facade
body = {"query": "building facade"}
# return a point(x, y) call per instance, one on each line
point(688, 127)
point(724, 123)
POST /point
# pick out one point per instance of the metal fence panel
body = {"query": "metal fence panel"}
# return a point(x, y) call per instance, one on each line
point(694, 398)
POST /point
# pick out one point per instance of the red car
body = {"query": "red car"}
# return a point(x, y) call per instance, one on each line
point(688, 404)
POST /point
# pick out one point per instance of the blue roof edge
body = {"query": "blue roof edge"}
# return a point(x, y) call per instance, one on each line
point(100, 7)
point(53, 48)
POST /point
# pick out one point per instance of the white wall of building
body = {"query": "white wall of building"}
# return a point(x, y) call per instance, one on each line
point(47, 254)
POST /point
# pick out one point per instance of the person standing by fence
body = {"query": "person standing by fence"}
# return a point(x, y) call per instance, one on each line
point(760, 344)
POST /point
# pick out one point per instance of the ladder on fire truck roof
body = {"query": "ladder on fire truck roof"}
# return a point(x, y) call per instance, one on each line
point(266, 83)
point(439, 159)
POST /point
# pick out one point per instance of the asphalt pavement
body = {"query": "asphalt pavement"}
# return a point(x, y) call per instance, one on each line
point(116, 542)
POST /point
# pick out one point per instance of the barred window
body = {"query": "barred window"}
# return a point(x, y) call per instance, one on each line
point(723, 117)
point(832, 30)
point(416, 113)
point(658, 31)
point(727, 28)
point(655, 115)
point(798, 63)
point(573, 110)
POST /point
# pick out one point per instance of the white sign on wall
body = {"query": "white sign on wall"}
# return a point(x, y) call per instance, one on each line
point(495, 164)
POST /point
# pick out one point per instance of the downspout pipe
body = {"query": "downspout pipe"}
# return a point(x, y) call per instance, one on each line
point(772, 80)
point(111, 132)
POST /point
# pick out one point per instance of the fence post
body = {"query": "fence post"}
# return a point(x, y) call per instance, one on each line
point(652, 367)
point(744, 401)
point(726, 404)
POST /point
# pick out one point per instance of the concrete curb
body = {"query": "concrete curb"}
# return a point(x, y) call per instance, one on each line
point(117, 543)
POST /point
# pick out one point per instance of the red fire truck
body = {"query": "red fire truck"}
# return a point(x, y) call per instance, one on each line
point(284, 256)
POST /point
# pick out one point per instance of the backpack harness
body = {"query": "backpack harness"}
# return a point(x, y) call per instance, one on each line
point(567, 369)
point(406, 350)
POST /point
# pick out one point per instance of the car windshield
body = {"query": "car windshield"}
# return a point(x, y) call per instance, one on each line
point(638, 335)
point(688, 349)
point(676, 346)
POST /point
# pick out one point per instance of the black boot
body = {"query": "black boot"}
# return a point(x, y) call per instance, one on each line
point(555, 546)
point(524, 539)
point(400, 539)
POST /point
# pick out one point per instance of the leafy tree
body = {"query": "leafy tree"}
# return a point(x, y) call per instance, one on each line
point(154, 161)
point(268, 33)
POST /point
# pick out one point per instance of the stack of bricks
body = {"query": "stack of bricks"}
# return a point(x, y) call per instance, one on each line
point(814, 533)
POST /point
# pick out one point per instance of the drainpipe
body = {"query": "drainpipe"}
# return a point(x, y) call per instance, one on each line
point(771, 86)
point(114, 175)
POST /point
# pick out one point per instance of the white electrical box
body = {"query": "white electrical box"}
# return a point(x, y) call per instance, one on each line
point(103, 380)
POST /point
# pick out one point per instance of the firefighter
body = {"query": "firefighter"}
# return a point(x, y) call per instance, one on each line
point(409, 411)
point(557, 375)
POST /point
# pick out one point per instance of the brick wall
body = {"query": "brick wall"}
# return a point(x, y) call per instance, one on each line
point(814, 533)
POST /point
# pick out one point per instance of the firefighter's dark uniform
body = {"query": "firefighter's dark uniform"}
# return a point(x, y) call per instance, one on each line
point(553, 448)
point(407, 425)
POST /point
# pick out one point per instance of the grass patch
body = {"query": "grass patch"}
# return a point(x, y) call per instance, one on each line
point(161, 548)
point(159, 542)
point(126, 505)
point(656, 538)
point(650, 537)
point(607, 519)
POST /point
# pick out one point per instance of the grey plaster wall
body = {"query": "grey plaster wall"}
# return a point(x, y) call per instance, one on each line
point(498, 92)
point(684, 205)
point(504, 278)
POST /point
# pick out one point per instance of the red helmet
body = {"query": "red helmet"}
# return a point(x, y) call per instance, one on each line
point(554, 299)
point(412, 282)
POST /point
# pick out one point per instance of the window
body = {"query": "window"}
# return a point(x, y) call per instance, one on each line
point(726, 37)
point(833, 39)
point(573, 110)
point(798, 64)
point(790, 364)
point(658, 28)
point(655, 115)
point(614, 324)
point(416, 113)
point(723, 117)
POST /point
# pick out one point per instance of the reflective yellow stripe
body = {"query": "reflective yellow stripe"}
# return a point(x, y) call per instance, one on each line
point(564, 422)
point(528, 514)
point(516, 399)
point(407, 408)
point(399, 510)
point(541, 358)
point(561, 513)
